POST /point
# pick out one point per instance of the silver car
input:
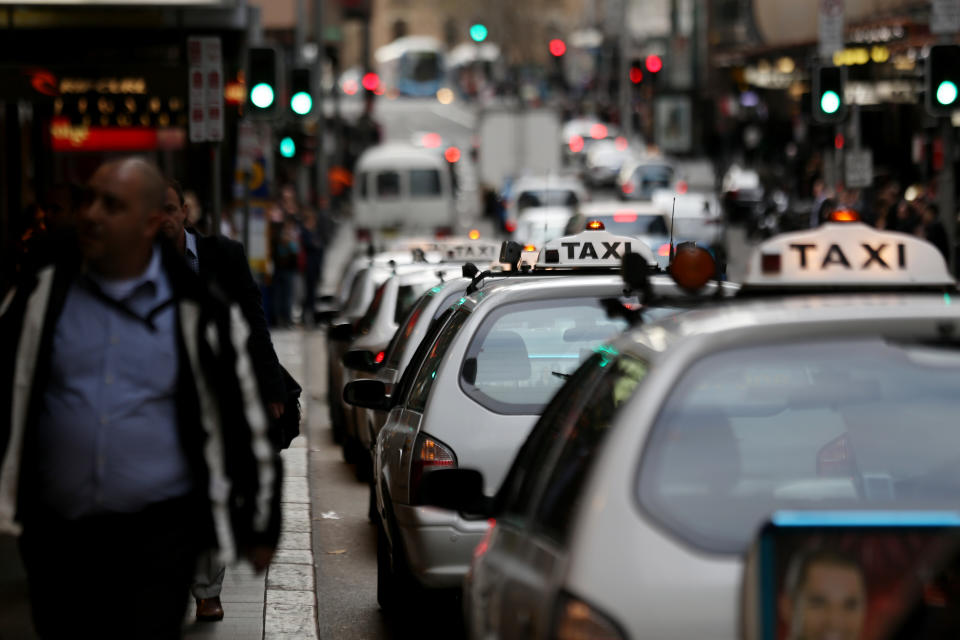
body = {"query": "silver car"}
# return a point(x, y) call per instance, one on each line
point(639, 491)
point(484, 373)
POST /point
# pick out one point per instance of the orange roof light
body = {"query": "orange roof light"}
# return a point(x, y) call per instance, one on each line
point(529, 247)
point(692, 267)
point(595, 225)
point(474, 234)
point(843, 215)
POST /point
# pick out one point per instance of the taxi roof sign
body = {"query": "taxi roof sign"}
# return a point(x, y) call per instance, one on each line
point(592, 249)
point(847, 255)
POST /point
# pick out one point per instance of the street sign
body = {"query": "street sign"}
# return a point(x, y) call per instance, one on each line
point(205, 79)
point(859, 168)
point(945, 16)
point(830, 30)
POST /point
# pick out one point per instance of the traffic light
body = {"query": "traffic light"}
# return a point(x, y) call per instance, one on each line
point(301, 96)
point(478, 32)
point(654, 63)
point(557, 47)
point(288, 147)
point(262, 81)
point(636, 72)
point(829, 104)
point(942, 79)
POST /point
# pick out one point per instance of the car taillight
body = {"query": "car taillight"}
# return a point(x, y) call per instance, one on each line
point(363, 235)
point(379, 357)
point(428, 455)
point(576, 620)
point(627, 188)
point(442, 232)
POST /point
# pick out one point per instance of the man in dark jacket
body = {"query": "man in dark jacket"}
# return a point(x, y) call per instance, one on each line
point(223, 263)
point(132, 429)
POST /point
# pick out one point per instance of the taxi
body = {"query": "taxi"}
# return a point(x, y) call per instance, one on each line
point(830, 384)
point(474, 389)
point(371, 334)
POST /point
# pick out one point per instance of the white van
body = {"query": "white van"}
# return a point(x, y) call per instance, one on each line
point(400, 187)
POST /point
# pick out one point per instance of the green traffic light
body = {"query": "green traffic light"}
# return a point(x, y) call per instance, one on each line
point(288, 148)
point(301, 103)
point(829, 102)
point(478, 32)
point(261, 95)
point(947, 92)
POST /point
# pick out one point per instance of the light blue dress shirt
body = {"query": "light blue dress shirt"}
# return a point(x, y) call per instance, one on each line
point(107, 433)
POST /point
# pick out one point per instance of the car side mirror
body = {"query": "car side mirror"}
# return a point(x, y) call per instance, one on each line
point(456, 489)
point(470, 370)
point(360, 360)
point(341, 332)
point(369, 394)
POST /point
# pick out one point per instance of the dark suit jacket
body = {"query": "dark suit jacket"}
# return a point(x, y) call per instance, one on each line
point(224, 262)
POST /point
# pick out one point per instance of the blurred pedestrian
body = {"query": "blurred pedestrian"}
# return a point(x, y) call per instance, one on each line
point(929, 227)
point(222, 261)
point(311, 244)
point(138, 435)
point(286, 252)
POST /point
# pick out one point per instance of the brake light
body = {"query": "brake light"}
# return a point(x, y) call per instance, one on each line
point(576, 144)
point(510, 226)
point(664, 250)
point(379, 357)
point(363, 235)
point(428, 455)
point(681, 187)
point(442, 232)
point(624, 216)
point(576, 620)
point(627, 188)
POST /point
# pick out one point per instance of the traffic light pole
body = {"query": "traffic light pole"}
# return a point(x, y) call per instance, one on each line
point(321, 161)
point(945, 190)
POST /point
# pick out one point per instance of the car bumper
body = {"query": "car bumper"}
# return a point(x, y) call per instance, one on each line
point(438, 543)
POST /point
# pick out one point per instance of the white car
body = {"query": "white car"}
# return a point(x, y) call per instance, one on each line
point(484, 373)
point(639, 178)
point(542, 191)
point(604, 162)
point(538, 225)
point(629, 509)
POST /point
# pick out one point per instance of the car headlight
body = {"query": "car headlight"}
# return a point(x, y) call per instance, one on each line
point(577, 620)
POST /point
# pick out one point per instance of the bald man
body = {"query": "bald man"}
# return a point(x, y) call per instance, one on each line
point(119, 465)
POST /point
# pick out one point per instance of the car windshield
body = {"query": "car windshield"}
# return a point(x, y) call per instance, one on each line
point(852, 424)
point(538, 232)
point(546, 197)
point(523, 352)
point(629, 223)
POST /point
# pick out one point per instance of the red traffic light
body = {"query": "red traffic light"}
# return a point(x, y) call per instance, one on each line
point(370, 81)
point(636, 75)
point(654, 63)
point(557, 47)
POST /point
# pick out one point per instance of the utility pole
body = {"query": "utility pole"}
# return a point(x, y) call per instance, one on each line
point(623, 71)
point(321, 165)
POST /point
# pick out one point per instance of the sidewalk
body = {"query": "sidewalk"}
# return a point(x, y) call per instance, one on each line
point(281, 603)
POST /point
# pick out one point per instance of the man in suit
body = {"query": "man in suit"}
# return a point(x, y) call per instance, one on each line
point(135, 430)
point(223, 262)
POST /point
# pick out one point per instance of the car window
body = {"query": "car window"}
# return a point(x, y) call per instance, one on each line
point(357, 291)
point(402, 336)
point(421, 385)
point(629, 223)
point(518, 487)
point(424, 183)
point(564, 480)
point(852, 424)
point(362, 180)
point(388, 184)
point(407, 296)
point(365, 323)
point(547, 197)
point(523, 352)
